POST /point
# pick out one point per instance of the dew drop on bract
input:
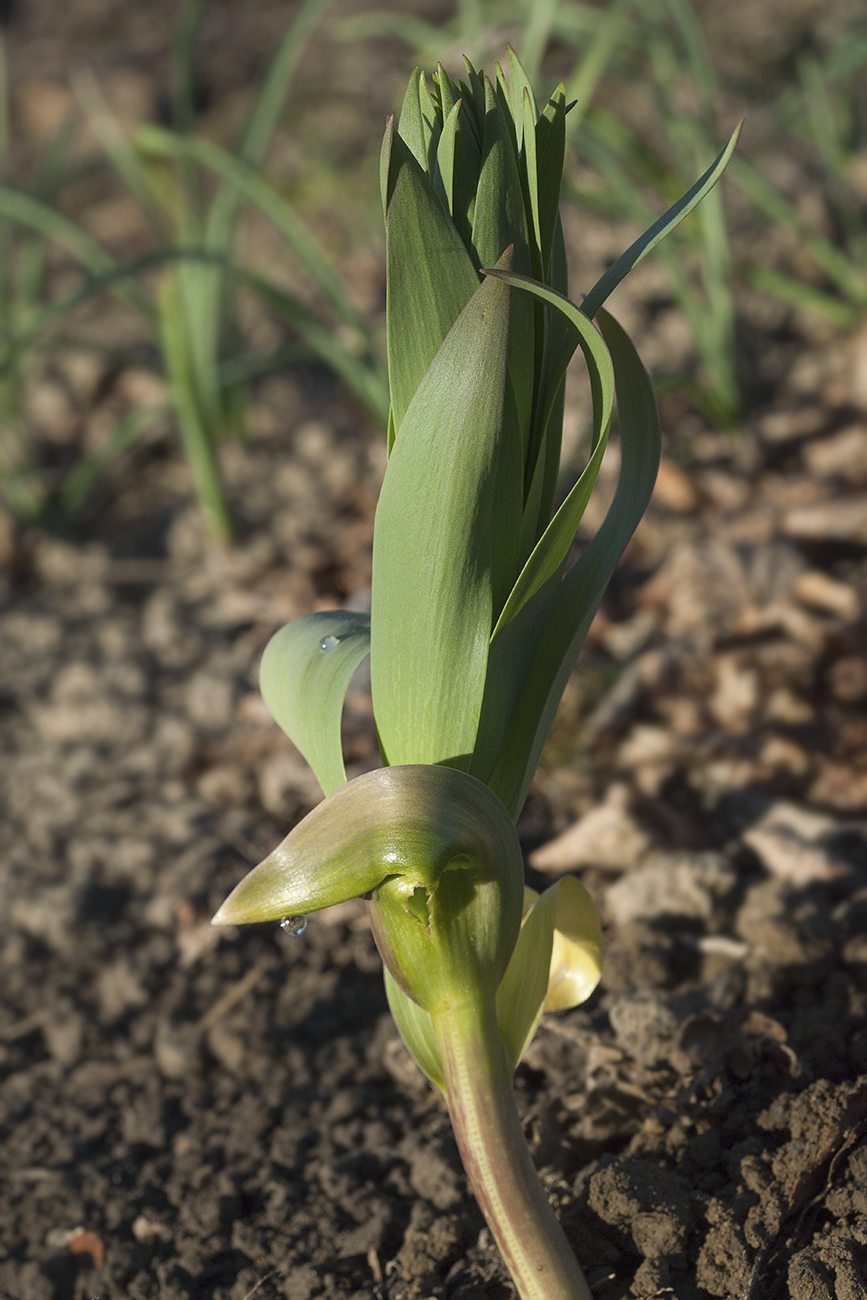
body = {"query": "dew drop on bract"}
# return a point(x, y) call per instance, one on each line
point(329, 643)
point(295, 925)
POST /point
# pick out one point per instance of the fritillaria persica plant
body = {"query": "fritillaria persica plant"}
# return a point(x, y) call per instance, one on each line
point(477, 619)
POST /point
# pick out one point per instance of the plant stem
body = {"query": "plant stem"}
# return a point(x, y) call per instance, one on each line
point(491, 1142)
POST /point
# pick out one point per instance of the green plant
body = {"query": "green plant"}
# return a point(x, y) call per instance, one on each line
point(476, 621)
point(191, 315)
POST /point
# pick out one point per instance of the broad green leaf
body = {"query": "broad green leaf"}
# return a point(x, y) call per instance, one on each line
point(446, 89)
point(607, 283)
point(530, 162)
point(430, 275)
point(499, 218)
point(473, 91)
point(432, 613)
point(431, 122)
point(305, 671)
point(467, 164)
point(499, 221)
point(565, 606)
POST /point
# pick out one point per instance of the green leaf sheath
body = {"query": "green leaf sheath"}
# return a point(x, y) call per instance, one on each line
point(305, 671)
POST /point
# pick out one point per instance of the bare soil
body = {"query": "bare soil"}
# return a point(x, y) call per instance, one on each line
point(187, 1113)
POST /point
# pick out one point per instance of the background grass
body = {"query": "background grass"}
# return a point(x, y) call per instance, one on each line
point(209, 315)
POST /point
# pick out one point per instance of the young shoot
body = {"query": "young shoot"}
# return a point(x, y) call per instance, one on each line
point(476, 622)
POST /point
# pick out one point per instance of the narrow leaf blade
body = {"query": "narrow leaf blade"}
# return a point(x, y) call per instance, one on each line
point(607, 283)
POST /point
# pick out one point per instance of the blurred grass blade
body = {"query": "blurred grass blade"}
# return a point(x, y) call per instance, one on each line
point(581, 87)
point(156, 142)
point(264, 118)
point(305, 671)
point(798, 294)
point(82, 478)
point(194, 430)
point(849, 278)
point(51, 224)
point(432, 561)
point(607, 283)
point(537, 33)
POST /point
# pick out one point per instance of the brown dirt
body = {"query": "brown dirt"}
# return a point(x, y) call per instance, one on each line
point(191, 1114)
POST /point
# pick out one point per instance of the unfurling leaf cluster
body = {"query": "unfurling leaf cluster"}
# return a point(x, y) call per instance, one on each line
point(477, 613)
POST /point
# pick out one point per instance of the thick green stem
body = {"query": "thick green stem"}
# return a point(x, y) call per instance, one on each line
point(495, 1155)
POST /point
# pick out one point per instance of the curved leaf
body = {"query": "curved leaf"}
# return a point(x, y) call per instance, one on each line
point(305, 671)
point(607, 283)
point(567, 605)
point(553, 547)
point(522, 990)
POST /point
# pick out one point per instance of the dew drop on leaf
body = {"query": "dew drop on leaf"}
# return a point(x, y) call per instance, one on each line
point(295, 925)
point(329, 643)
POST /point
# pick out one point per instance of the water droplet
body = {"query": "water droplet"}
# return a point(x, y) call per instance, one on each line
point(295, 925)
point(329, 643)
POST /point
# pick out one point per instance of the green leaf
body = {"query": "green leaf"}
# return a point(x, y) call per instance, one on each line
point(499, 218)
point(417, 1029)
point(305, 671)
point(432, 611)
point(430, 276)
point(607, 283)
point(447, 915)
point(521, 995)
point(553, 547)
point(550, 146)
point(550, 630)
point(519, 90)
point(418, 826)
point(410, 123)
